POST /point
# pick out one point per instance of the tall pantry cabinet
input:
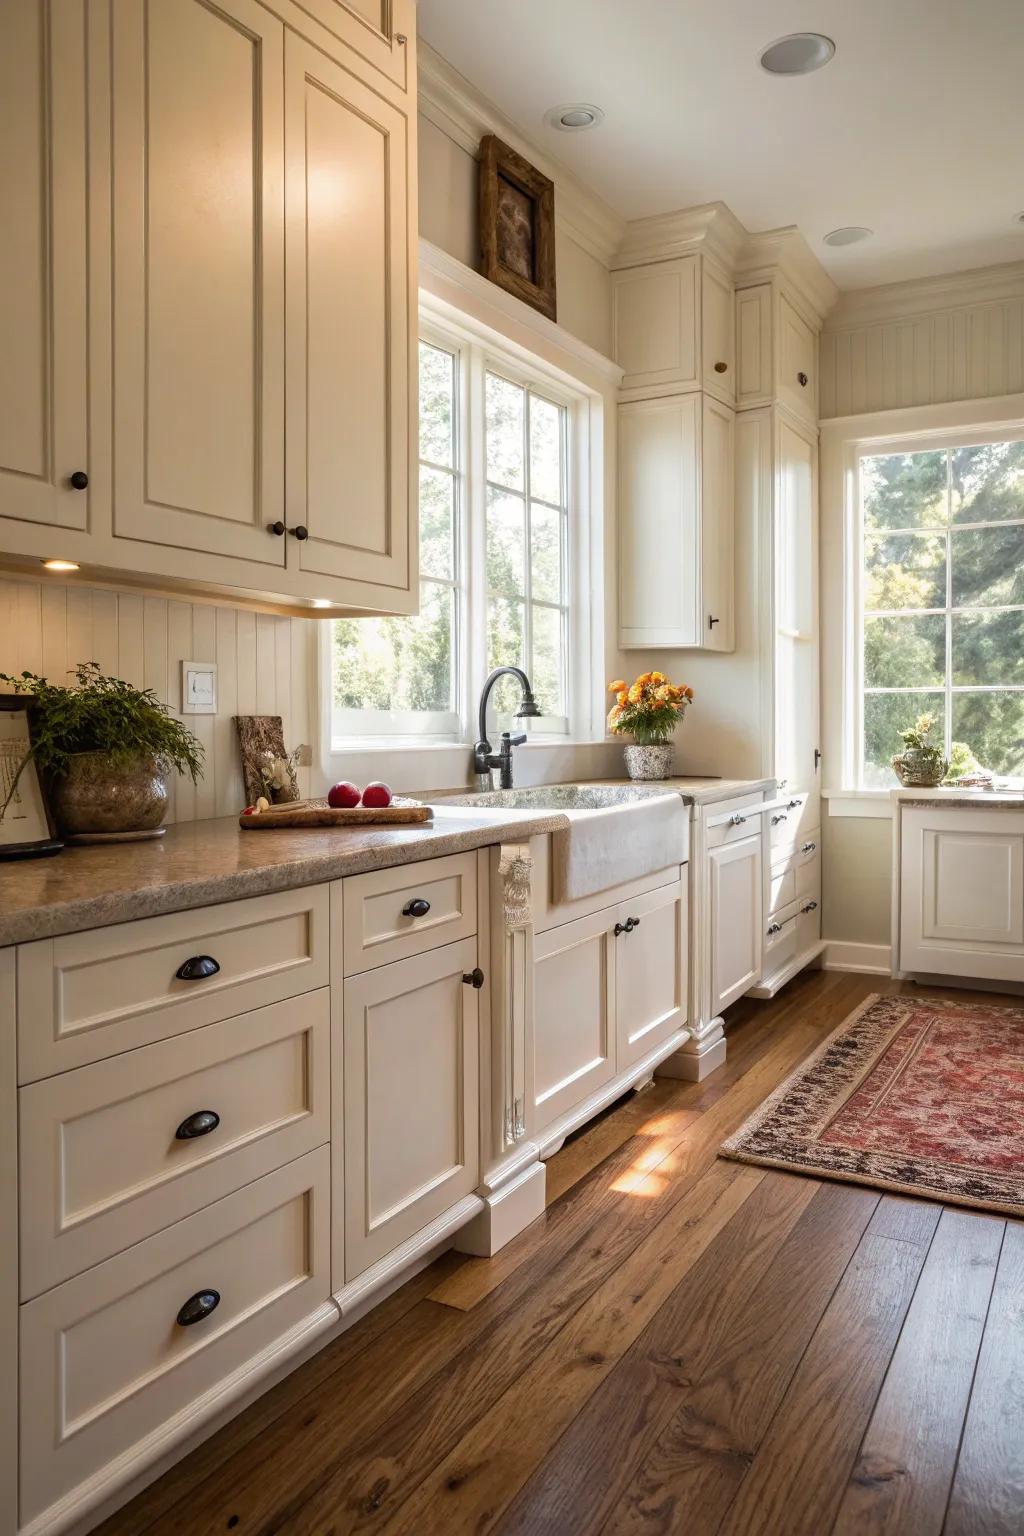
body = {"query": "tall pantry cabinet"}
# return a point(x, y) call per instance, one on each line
point(209, 294)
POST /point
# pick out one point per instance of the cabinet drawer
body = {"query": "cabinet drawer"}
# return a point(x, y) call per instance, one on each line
point(795, 876)
point(90, 995)
point(735, 822)
point(784, 820)
point(790, 932)
point(384, 918)
point(101, 1164)
point(105, 1361)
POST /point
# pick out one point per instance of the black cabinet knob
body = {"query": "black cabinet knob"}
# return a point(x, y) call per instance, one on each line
point(801, 379)
point(198, 968)
point(474, 978)
point(278, 528)
point(721, 367)
point(418, 907)
point(79, 480)
point(199, 1124)
point(300, 531)
point(197, 1308)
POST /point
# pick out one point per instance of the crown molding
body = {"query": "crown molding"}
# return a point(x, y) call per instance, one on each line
point(449, 101)
point(784, 254)
point(710, 227)
point(924, 295)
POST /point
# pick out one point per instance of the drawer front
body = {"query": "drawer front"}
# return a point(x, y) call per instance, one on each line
point(90, 995)
point(795, 873)
point(734, 825)
point(384, 916)
point(790, 932)
point(105, 1360)
point(785, 818)
point(102, 1165)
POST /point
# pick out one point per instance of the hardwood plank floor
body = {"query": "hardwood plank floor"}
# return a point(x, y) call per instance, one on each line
point(679, 1343)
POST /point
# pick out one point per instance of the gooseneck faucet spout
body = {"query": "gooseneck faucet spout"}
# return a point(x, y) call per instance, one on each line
point(484, 758)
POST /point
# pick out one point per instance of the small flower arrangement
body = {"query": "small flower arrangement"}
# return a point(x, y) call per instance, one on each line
point(649, 709)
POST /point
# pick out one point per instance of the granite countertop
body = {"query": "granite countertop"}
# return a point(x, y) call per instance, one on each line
point(982, 799)
point(201, 862)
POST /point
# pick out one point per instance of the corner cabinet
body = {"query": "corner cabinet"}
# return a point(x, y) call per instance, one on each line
point(675, 511)
point(212, 301)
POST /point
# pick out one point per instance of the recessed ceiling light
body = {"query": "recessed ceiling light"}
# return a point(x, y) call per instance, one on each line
point(850, 234)
point(797, 54)
point(323, 602)
point(60, 565)
point(574, 117)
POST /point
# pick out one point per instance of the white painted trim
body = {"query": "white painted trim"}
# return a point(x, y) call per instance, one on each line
point(769, 985)
point(872, 959)
point(884, 428)
point(455, 106)
point(402, 1258)
point(873, 804)
point(923, 295)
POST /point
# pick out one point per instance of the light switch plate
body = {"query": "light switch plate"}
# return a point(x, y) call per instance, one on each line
point(198, 688)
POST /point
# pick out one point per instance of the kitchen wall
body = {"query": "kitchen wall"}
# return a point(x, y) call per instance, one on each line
point(264, 666)
point(955, 338)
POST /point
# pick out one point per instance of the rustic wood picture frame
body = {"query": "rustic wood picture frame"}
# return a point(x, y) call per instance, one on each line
point(517, 226)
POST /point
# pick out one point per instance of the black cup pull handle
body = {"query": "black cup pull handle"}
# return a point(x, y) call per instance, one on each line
point(418, 907)
point(198, 968)
point(474, 978)
point(199, 1124)
point(79, 480)
point(197, 1308)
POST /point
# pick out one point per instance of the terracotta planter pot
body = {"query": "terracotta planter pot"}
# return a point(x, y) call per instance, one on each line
point(648, 762)
point(95, 796)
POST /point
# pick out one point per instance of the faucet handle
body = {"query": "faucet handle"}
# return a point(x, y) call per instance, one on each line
point(510, 740)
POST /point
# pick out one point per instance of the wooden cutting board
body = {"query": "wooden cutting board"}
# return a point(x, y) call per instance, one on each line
point(317, 813)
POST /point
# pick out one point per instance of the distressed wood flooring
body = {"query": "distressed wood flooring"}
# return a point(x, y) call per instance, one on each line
point(680, 1344)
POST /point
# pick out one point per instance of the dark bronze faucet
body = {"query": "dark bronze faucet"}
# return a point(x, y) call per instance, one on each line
point(484, 759)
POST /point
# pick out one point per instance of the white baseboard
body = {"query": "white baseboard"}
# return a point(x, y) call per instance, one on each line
point(874, 959)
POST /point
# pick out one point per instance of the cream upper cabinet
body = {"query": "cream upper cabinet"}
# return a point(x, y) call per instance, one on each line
point(350, 375)
point(43, 271)
point(198, 291)
point(675, 510)
point(655, 311)
point(377, 30)
point(718, 334)
point(797, 361)
point(754, 371)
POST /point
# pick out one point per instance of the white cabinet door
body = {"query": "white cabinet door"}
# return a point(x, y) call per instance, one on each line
point(573, 1021)
point(351, 394)
point(717, 558)
point(962, 893)
point(650, 971)
point(718, 336)
point(654, 325)
point(754, 375)
point(198, 279)
point(797, 361)
point(796, 616)
point(43, 410)
point(736, 899)
point(411, 1098)
point(659, 508)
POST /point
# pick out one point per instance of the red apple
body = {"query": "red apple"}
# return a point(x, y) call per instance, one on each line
point(342, 797)
point(376, 796)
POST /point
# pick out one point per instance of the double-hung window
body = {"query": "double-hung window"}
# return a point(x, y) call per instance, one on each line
point(941, 615)
point(497, 546)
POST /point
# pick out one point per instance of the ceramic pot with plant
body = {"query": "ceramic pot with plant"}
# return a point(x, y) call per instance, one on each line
point(648, 710)
point(922, 764)
point(105, 749)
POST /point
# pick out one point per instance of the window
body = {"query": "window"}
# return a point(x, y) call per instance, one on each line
point(941, 625)
point(495, 442)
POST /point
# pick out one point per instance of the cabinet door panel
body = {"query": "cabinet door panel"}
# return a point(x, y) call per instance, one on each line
point(43, 418)
point(962, 893)
point(718, 338)
point(659, 499)
point(796, 606)
point(381, 31)
point(651, 972)
point(798, 350)
point(736, 901)
point(198, 276)
point(411, 1098)
point(350, 386)
point(654, 324)
point(718, 494)
point(573, 1033)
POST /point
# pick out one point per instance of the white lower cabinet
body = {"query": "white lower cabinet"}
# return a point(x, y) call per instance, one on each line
point(608, 990)
point(736, 905)
point(120, 1352)
point(411, 1098)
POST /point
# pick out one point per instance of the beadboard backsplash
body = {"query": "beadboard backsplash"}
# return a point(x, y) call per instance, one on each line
point(264, 667)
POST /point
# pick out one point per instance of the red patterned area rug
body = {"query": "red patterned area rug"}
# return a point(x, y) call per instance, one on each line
point(918, 1095)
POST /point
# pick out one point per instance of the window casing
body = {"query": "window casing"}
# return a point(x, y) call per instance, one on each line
point(940, 610)
point(500, 552)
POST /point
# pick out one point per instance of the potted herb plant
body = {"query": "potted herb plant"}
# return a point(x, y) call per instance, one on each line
point(648, 710)
point(104, 749)
point(922, 764)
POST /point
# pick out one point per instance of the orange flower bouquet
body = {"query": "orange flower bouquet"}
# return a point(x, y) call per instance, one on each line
point(648, 710)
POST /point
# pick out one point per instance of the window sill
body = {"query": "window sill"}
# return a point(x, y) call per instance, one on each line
point(872, 804)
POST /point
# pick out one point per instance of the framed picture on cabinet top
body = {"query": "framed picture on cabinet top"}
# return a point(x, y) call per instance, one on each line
point(26, 826)
point(517, 226)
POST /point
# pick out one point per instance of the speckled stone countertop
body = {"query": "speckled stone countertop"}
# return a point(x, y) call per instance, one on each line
point(201, 862)
point(977, 799)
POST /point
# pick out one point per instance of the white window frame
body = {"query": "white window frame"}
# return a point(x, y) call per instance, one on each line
point(844, 442)
point(477, 353)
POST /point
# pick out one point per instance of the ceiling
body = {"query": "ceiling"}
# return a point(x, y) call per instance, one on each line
point(916, 127)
